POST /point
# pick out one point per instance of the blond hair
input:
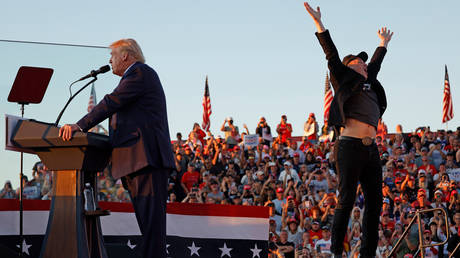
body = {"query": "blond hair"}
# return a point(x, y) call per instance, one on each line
point(131, 47)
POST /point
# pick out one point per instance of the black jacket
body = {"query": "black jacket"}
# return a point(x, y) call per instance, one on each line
point(139, 130)
point(346, 81)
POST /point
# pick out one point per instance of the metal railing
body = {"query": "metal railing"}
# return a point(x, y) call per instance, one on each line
point(421, 245)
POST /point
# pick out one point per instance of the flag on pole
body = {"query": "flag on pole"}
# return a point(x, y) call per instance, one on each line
point(207, 111)
point(327, 98)
point(91, 104)
point(447, 109)
point(92, 99)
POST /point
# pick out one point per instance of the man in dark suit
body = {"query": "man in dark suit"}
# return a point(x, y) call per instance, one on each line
point(359, 102)
point(139, 134)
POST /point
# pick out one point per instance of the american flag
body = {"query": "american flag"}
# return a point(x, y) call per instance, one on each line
point(206, 107)
point(327, 98)
point(91, 104)
point(447, 109)
point(92, 99)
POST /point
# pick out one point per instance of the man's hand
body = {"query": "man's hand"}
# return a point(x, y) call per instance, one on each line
point(385, 36)
point(316, 15)
point(67, 130)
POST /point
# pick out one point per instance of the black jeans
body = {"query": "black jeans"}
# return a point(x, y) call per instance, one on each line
point(355, 161)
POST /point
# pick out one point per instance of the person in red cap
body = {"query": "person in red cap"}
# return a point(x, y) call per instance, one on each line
point(358, 104)
point(408, 187)
point(279, 201)
point(432, 251)
point(311, 128)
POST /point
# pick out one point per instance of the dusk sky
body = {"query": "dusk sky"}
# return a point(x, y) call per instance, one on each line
point(262, 58)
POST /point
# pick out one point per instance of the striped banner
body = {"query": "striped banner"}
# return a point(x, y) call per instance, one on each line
point(193, 230)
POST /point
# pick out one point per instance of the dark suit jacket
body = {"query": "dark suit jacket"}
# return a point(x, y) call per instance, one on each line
point(139, 130)
point(346, 81)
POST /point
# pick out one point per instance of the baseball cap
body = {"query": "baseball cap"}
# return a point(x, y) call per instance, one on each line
point(287, 163)
point(296, 154)
point(424, 149)
point(258, 173)
point(271, 164)
point(280, 190)
point(363, 55)
point(421, 172)
point(311, 115)
point(397, 199)
point(386, 200)
point(438, 192)
point(247, 187)
point(316, 222)
point(292, 220)
point(326, 227)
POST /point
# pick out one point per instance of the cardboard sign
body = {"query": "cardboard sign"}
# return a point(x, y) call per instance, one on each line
point(251, 140)
point(454, 174)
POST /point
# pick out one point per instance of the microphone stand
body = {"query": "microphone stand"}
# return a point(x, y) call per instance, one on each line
point(21, 207)
point(72, 97)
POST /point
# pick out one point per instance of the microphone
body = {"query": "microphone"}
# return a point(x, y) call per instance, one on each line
point(93, 73)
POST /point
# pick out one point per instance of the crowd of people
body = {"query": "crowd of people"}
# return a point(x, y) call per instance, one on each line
point(296, 178)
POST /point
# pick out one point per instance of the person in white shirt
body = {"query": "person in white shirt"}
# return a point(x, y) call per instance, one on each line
point(288, 173)
point(324, 244)
point(311, 128)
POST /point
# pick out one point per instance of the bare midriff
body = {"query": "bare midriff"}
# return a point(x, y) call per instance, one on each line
point(358, 129)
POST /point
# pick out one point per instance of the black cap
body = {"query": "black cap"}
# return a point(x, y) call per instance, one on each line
point(349, 58)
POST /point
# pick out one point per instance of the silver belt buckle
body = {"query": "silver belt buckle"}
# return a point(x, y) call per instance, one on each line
point(367, 141)
point(366, 87)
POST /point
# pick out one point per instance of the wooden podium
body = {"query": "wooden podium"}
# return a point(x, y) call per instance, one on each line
point(72, 231)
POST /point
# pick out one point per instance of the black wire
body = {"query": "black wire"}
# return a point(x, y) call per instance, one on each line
point(50, 43)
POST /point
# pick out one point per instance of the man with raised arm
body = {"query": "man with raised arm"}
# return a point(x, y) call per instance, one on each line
point(358, 104)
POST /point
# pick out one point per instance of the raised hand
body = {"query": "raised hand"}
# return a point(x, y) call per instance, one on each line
point(385, 36)
point(316, 15)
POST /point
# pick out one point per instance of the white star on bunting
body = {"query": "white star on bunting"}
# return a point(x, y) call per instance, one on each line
point(130, 245)
point(255, 252)
point(194, 249)
point(225, 250)
point(167, 252)
point(25, 247)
